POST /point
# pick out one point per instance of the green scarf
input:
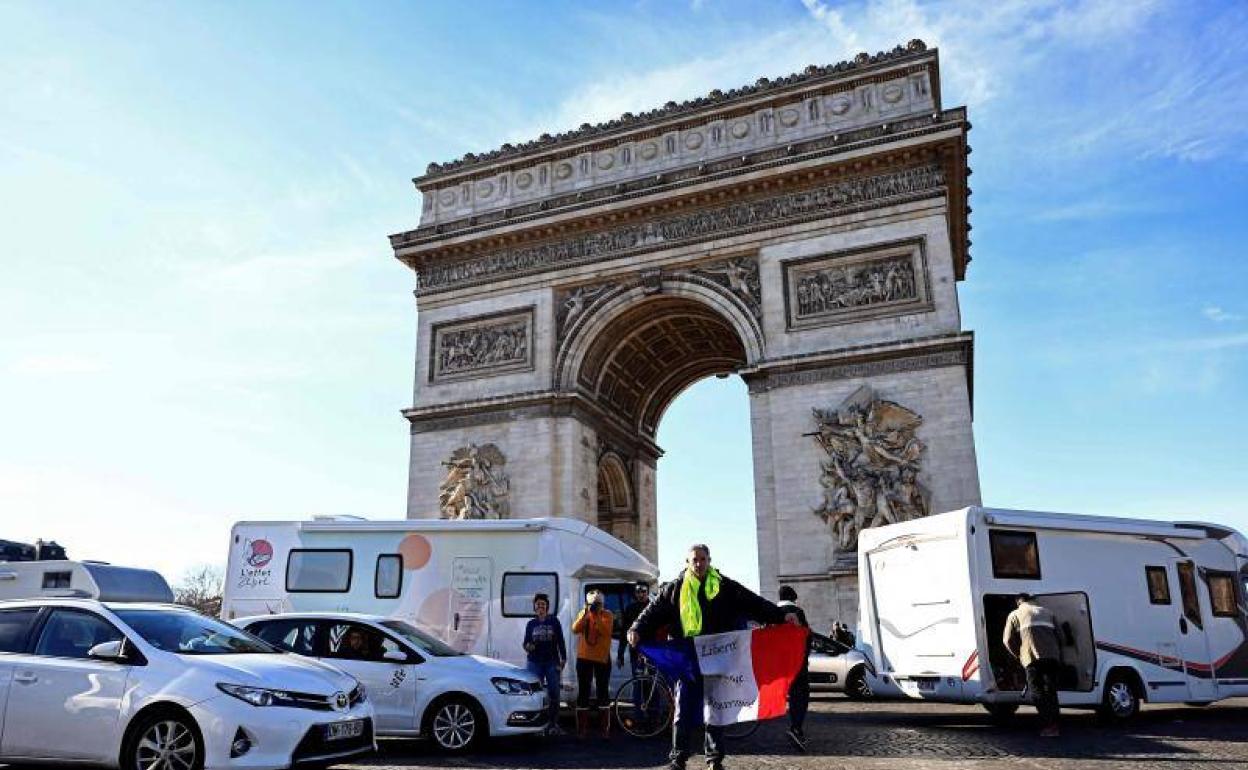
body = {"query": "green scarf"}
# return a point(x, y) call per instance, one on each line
point(690, 609)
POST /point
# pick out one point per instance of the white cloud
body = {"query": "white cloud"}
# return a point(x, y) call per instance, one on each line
point(55, 364)
point(1218, 315)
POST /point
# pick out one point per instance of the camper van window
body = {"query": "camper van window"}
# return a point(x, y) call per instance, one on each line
point(1158, 585)
point(518, 590)
point(1187, 591)
point(57, 579)
point(1014, 554)
point(71, 633)
point(318, 570)
point(388, 581)
point(14, 626)
point(1222, 594)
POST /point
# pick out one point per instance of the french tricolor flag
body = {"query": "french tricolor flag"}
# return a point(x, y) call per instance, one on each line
point(745, 674)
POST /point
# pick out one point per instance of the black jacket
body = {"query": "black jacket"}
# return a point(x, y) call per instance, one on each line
point(631, 612)
point(728, 611)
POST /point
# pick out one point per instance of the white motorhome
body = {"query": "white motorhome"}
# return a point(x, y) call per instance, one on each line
point(62, 578)
point(1147, 610)
point(469, 583)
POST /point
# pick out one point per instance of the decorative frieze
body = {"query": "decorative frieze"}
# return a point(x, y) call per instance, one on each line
point(857, 370)
point(678, 229)
point(847, 286)
point(482, 346)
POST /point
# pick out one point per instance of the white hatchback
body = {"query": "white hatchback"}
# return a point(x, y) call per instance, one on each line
point(419, 686)
point(159, 687)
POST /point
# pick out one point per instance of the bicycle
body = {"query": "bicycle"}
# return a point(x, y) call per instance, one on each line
point(645, 706)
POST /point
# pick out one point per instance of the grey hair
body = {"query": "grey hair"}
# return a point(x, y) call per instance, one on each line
point(703, 547)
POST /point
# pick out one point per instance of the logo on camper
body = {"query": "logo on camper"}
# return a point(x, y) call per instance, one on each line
point(259, 553)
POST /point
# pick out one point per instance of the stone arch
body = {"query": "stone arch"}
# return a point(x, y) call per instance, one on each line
point(617, 512)
point(637, 348)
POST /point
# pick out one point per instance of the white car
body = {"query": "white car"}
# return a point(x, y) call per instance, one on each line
point(418, 685)
point(159, 687)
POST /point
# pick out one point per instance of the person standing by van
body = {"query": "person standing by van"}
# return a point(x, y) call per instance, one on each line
point(543, 641)
point(593, 626)
point(1031, 636)
point(799, 691)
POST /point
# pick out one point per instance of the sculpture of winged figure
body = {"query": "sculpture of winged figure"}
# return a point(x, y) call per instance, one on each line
point(741, 276)
point(576, 302)
point(475, 486)
point(871, 475)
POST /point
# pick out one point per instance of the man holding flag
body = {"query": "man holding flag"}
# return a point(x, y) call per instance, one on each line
point(721, 674)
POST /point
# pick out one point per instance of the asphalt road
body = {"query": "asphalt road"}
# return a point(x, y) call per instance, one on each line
point(899, 736)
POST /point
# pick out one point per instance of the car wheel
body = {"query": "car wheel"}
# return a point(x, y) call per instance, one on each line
point(856, 687)
point(1121, 698)
point(163, 741)
point(456, 724)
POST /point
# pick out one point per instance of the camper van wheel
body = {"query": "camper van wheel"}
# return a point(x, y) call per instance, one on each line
point(1001, 712)
point(455, 723)
point(856, 687)
point(1121, 700)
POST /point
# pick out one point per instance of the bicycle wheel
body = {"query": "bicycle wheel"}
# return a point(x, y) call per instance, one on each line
point(643, 706)
point(740, 730)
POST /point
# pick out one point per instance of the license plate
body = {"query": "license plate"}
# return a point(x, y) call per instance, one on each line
point(927, 685)
point(336, 731)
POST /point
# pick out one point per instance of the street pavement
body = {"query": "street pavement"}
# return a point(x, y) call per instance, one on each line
point(899, 736)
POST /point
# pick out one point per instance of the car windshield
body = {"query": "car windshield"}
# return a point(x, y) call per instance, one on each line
point(187, 633)
point(420, 640)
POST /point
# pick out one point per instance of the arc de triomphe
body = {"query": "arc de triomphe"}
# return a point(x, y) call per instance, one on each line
point(805, 233)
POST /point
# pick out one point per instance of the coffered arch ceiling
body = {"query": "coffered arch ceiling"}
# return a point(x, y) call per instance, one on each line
point(649, 354)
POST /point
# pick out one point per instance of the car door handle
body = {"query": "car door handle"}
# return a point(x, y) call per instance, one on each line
point(25, 677)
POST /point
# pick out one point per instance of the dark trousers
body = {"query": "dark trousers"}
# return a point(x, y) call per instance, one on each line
point(1042, 682)
point(799, 699)
point(599, 674)
point(548, 675)
point(637, 666)
point(689, 717)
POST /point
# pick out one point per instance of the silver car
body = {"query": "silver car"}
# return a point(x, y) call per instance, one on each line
point(838, 668)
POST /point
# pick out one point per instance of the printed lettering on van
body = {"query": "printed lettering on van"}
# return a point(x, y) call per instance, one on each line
point(256, 557)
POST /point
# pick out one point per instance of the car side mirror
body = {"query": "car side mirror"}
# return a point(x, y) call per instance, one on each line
point(113, 652)
point(397, 656)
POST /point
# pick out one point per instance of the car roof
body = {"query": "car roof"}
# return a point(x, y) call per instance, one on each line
point(360, 616)
point(87, 604)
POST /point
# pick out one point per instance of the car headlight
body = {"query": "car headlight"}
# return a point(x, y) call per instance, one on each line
point(513, 686)
point(258, 696)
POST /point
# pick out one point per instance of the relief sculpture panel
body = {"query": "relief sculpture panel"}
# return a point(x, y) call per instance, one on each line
point(849, 286)
point(475, 486)
point(482, 346)
point(870, 476)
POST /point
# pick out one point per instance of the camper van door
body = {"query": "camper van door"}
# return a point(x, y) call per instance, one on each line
point(1193, 637)
point(469, 611)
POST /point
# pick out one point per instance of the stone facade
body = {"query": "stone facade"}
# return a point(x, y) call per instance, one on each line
point(811, 243)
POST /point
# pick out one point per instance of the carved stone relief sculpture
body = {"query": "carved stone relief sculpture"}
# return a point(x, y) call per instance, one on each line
point(848, 286)
point(475, 486)
point(870, 476)
point(740, 276)
point(482, 346)
point(571, 305)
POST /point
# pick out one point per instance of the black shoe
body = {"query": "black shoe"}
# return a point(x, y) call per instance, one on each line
point(797, 738)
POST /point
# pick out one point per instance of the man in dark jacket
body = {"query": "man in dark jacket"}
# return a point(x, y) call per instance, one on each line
point(799, 691)
point(700, 601)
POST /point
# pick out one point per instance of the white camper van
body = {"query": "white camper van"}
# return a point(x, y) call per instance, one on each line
point(62, 578)
point(470, 583)
point(1147, 610)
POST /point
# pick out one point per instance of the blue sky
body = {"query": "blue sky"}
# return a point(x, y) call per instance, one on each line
point(200, 320)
